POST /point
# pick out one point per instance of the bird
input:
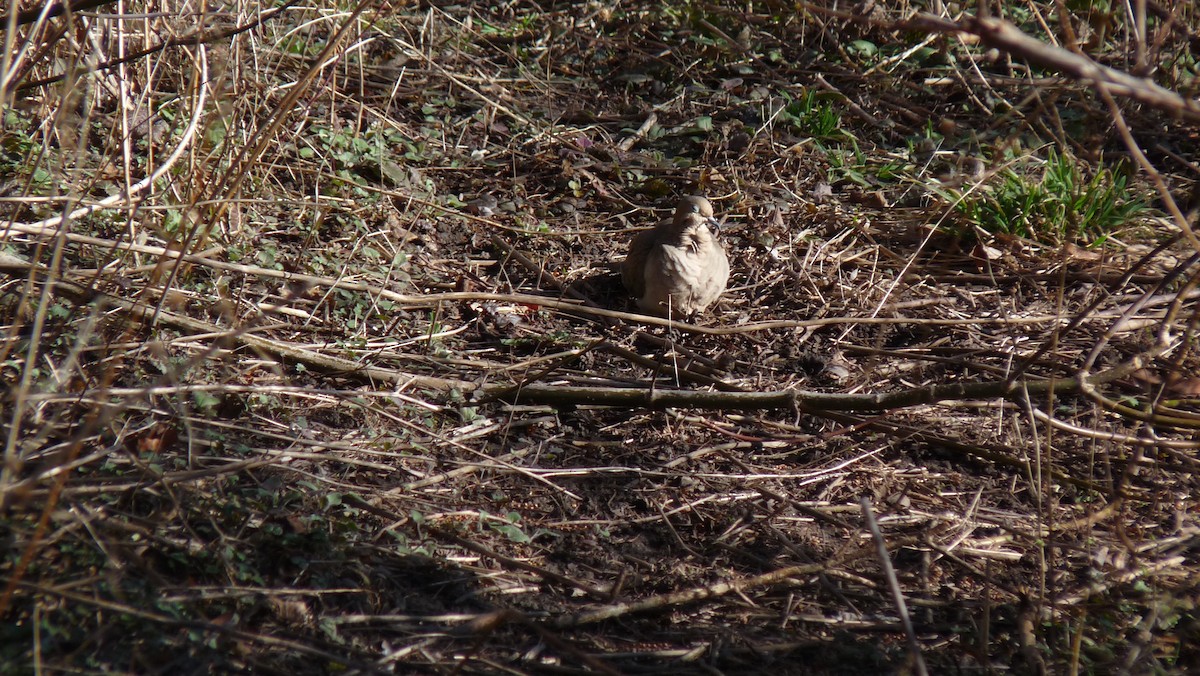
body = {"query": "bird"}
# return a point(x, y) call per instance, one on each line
point(678, 267)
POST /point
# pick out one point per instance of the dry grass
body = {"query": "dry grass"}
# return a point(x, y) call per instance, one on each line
point(321, 441)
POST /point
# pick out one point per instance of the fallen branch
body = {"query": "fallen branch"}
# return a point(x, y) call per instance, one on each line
point(631, 397)
point(625, 397)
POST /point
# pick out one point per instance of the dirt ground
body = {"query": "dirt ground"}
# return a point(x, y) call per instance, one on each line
point(395, 412)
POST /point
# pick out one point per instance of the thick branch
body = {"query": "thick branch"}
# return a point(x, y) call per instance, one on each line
point(1004, 36)
point(28, 16)
point(629, 397)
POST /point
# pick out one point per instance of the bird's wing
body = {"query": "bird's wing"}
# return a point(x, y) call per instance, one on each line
point(633, 271)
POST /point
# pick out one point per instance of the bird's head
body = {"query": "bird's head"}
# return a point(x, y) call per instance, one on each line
point(695, 212)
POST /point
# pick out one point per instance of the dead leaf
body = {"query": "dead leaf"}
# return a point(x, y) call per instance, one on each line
point(983, 252)
point(1186, 387)
point(154, 440)
point(1079, 253)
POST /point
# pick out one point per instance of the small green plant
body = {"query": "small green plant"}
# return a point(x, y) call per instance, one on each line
point(18, 148)
point(848, 163)
point(812, 115)
point(507, 525)
point(1063, 206)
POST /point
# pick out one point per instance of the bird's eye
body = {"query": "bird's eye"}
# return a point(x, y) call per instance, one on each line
point(695, 208)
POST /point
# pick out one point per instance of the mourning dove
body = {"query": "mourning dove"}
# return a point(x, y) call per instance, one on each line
point(678, 267)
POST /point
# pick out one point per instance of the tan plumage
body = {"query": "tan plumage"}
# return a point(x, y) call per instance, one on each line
point(678, 267)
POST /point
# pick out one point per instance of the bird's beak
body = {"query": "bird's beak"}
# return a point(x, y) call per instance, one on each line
point(714, 224)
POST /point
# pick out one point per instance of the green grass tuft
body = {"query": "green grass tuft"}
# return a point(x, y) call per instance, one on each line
point(1063, 206)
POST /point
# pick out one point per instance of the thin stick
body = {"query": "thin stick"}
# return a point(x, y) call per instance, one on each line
point(889, 573)
point(627, 143)
point(687, 596)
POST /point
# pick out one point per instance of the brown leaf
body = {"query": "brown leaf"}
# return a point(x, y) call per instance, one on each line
point(154, 440)
point(1078, 253)
point(983, 252)
point(1185, 387)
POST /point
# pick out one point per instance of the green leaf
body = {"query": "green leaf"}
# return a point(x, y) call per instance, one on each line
point(864, 48)
point(513, 533)
point(205, 401)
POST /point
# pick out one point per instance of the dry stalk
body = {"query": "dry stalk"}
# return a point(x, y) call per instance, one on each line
point(889, 574)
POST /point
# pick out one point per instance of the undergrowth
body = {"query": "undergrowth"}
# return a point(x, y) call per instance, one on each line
point(1063, 205)
point(367, 423)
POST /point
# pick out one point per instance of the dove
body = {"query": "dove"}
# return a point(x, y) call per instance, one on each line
point(678, 267)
